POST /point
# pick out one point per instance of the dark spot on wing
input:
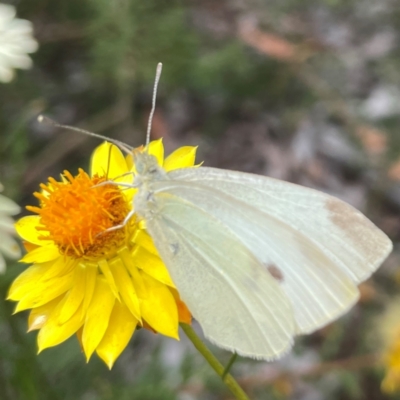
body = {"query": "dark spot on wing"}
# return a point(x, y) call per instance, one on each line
point(275, 272)
point(174, 247)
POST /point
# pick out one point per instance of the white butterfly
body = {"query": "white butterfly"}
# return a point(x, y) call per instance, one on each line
point(256, 260)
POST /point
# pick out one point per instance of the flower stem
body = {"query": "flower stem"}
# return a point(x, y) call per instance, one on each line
point(228, 379)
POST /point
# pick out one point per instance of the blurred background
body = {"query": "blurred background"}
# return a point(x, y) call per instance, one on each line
point(304, 91)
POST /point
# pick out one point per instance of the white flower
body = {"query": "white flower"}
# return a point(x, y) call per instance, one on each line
point(8, 246)
point(15, 42)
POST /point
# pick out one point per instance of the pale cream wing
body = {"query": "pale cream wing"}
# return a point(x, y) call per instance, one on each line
point(318, 288)
point(344, 234)
point(239, 306)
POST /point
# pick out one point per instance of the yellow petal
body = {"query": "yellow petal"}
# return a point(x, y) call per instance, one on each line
point(41, 254)
point(105, 269)
point(182, 157)
point(91, 273)
point(58, 268)
point(129, 163)
point(121, 326)
point(130, 265)
point(38, 316)
point(42, 292)
point(26, 228)
point(156, 148)
point(52, 333)
point(152, 265)
point(97, 316)
point(125, 287)
point(37, 273)
point(142, 238)
point(23, 282)
point(108, 160)
point(73, 299)
point(159, 309)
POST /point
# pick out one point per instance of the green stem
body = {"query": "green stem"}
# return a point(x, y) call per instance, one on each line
point(229, 381)
point(229, 365)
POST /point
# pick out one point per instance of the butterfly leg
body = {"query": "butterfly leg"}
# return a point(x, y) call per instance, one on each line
point(124, 174)
point(120, 226)
point(111, 182)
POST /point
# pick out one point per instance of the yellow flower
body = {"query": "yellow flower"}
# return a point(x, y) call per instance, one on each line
point(389, 327)
point(391, 382)
point(8, 246)
point(87, 279)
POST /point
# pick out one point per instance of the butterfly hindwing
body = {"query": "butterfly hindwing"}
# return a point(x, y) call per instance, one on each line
point(238, 304)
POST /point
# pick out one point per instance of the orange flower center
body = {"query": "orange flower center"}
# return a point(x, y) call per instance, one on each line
point(77, 213)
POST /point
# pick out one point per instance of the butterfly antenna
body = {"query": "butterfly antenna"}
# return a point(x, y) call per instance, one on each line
point(48, 121)
point(153, 103)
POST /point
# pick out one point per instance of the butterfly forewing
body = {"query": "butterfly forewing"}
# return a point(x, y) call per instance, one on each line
point(238, 304)
point(343, 233)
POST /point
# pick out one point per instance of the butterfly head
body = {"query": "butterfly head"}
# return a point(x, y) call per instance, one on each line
point(147, 167)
